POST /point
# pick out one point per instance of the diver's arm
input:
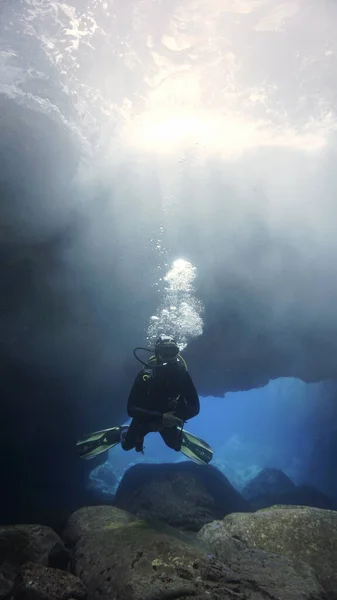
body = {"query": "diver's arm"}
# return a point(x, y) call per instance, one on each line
point(136, 397)
point(192, 406)
point(136, 411)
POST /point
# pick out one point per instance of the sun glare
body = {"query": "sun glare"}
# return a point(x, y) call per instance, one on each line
point(169, 132)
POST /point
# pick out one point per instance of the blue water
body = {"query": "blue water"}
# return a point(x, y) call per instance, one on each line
point(273, 426)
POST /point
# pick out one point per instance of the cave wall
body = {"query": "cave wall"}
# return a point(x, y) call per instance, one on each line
point(88, 226)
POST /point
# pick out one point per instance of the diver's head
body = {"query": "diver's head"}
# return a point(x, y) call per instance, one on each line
point(166, 349)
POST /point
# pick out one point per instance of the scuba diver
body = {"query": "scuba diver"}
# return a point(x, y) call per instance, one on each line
point(162, 398)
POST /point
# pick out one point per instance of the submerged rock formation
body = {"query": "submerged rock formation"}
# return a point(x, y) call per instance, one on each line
point(115, 555)
point(272, 486)
point(299, 533)
point(269, 482)
point(131, 561)
point(36, 582)
point(36, 543)
point(94, 518)
point(279, 576)
point(184, 494)
point(22, 544)
point(106, 473)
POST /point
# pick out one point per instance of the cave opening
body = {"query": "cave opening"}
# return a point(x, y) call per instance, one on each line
point(287, 425)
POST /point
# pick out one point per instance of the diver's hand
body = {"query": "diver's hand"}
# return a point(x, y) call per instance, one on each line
point(169, 420)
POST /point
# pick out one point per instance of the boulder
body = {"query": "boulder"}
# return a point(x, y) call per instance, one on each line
point(184, 495)
point(28, 543)
point(269, 482)
point(94, 518)
point(35, 543)
point(136, 562)
point(106, 473)
point(302, 495)
point(219, 541)
point(300, 533)
point(307, 495)
point(271, 487)
point(8, 573)
point(36, 582)
point(279, 576)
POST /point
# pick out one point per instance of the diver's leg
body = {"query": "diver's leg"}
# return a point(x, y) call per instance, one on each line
point(135, 432)
point(172, 437)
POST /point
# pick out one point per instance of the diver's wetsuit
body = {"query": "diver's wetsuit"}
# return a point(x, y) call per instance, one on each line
point(155, 392)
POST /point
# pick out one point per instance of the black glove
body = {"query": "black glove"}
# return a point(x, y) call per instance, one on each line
point(169, 420)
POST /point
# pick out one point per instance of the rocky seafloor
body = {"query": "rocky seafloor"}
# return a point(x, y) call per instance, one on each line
point(173, 532)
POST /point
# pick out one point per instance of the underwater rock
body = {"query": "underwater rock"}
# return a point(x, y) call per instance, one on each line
point(106, 473)
point(269, 482)
point(280, 576)
point(35, 543)
point(102, 484)
point(94, 518)
point(301, 533)
point(303, 495)
point(36, 582)
point(8, 573)
point(28, 543)
point(98, 493)
point(306, 495)
point(217, 538)
point(184, 495)
point(238, 475)
point(272, 486)
point(138, 562)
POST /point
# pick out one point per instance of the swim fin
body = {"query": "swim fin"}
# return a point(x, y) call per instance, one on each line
point(196, 449)
point(98, 442)
point(101, 441)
